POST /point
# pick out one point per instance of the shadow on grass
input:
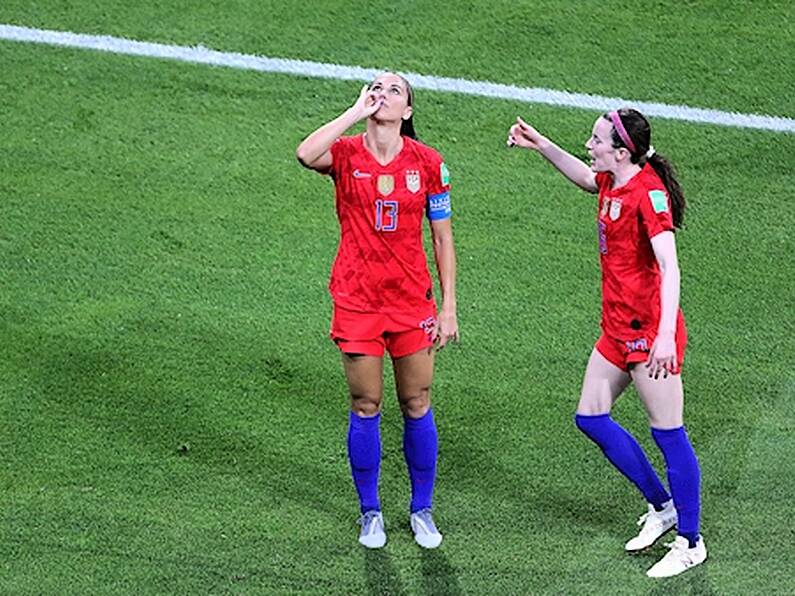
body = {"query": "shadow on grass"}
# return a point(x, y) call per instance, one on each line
point(695, 581)
point(438, 575)
point(380, 573)
point(529, 496)
point(253, 421)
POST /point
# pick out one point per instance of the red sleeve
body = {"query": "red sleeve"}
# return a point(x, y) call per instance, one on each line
point(438, 176)
point(340, 154)
point(655, 211)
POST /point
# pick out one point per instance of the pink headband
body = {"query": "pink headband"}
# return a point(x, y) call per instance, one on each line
point(622, 132)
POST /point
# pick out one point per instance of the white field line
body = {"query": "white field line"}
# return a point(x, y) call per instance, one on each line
point(202, 55)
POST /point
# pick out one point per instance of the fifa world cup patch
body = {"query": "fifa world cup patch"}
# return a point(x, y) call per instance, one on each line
point(659, 201)
point(413, 180)
point(444, 174)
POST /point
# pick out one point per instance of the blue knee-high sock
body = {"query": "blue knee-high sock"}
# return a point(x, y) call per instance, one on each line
point(684, 476)
point(624, 453)
point(420, 446)
point(364, 453)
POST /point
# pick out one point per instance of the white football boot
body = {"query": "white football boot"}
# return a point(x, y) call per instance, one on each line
point(680, 558)
point(372, 534)
point(654, 524)
point(425, 532)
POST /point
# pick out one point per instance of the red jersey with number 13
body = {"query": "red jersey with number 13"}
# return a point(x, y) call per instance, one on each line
point(380, 264)
point(628, 218)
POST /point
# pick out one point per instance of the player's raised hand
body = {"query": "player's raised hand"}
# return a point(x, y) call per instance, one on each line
point(522, 134)
point(367, 104)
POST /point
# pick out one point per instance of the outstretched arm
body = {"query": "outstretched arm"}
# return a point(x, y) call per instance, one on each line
point(522, 134)
point(314, 152)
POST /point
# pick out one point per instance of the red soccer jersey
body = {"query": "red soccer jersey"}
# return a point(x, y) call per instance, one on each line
point(628, 218)
point(380, 264)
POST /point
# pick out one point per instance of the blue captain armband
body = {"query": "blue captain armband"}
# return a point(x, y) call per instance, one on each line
point(438, 206)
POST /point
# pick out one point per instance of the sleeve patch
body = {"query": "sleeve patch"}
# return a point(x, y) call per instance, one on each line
point(659, 201)
point(438, 206)
point(444, 174)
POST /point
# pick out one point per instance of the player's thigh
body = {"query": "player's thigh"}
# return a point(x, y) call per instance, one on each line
point(663, 398)
point(413, 379)
point(365, 377)
point(601, 386)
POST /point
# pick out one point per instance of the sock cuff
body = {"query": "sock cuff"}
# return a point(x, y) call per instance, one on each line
point(667, 432)
point(584, 421)
point(591, 416)
point(365, 421)
point(670, 438)
point(423, 420)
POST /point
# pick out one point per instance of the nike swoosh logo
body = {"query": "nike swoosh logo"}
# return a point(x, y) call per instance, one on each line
point(358, 174)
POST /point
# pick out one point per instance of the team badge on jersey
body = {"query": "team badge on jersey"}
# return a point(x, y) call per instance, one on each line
point(615, 209)
point(605, 205)
point(413, 180)
point(658, 201)
point(386, 184)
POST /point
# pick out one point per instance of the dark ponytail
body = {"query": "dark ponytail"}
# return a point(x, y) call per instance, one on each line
point(667, 174)
point(639, 131)
point(407, 126)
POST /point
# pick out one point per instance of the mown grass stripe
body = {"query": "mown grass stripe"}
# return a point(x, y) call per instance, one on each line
point(202, 55)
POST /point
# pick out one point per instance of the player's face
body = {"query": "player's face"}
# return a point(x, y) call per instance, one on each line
point(392, 90)
point(600, 146)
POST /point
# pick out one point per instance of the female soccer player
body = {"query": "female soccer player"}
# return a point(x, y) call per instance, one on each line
point(640, 204)
point(385, 182)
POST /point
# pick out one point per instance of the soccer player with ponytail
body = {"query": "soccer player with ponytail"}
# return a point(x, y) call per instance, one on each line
point(643, 331)
point(386, 184)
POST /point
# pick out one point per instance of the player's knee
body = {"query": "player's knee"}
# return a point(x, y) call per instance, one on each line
point(665, 420)
point(365, 404)
point(416, 403)
point(593, 402)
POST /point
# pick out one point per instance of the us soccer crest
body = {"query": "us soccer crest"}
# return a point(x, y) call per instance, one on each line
point(615, 209)
point(413, 180)
point(386, 184)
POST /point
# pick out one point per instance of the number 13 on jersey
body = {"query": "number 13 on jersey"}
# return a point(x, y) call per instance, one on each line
point(386, 215)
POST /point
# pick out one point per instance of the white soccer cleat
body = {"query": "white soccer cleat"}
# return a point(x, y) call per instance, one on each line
point(425, 532)
point(372, 534)
point(654, 524)
point(680, 558)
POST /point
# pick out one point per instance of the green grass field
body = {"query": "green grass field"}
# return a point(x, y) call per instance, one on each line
point(173, 415)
